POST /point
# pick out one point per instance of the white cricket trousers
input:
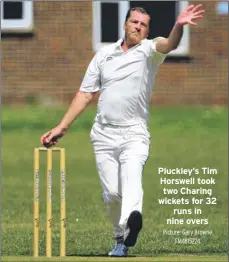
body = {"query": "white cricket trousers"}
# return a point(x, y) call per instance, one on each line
point(120, 155)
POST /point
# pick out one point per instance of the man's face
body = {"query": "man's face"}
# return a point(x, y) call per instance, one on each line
point(136, 27)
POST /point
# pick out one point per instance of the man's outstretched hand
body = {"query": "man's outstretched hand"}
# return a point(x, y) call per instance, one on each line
point(189, 14)
point(52, 137)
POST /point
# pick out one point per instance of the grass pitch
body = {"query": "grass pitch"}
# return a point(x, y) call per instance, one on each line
point(168, 258)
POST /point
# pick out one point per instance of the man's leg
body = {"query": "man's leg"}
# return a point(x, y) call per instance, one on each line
point(107, 163)
point(134, 154)
point(108, 169)
point(132, 192)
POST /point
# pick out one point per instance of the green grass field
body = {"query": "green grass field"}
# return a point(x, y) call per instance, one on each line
point(181, 137)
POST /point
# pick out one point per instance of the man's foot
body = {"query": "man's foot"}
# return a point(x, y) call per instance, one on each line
point(120, 250)
point(134, 226)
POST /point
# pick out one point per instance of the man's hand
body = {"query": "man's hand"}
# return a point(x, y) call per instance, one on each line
point(53, 136)
point(192, 12)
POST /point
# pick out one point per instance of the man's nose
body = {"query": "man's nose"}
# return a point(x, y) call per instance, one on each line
point(138, 27)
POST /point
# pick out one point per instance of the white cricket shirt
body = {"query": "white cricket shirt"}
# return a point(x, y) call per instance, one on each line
point(124, 80)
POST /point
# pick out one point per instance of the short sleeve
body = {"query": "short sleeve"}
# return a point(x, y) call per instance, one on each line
point(91, 80)
point(157, 57)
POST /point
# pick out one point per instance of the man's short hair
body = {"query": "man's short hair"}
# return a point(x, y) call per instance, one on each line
point(138, 9)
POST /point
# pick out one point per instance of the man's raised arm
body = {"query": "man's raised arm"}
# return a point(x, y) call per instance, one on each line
point(186, 17)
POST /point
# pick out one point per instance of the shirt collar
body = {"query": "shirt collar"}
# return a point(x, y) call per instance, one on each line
point(119, 42)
